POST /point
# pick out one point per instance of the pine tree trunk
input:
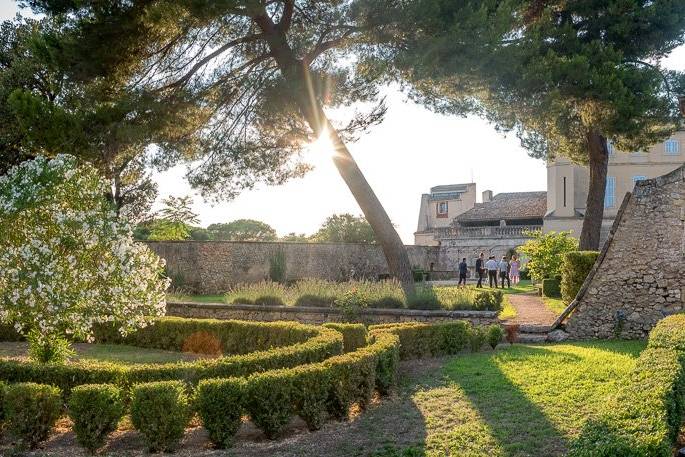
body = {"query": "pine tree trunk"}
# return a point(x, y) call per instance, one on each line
point(598, 163)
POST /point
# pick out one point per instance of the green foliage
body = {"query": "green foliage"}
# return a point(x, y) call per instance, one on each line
point(419, 340)
point(95, 410)
point(277, 267)
point(268, 400)
point(644, 417)
point(455, 298)
point(242, 230)
point(219, 402)
point(345, 228)
point(494, 335)
point(311, 387)
point(30, 411)
point(477, 338)
point(354, 335)
point(3, 394)
point(274, 345)
point(546, 251)
point(551, 287)
point(48, 348)
point(352, 303)
point(164, 230)
point(160, 412)
point(575, 267)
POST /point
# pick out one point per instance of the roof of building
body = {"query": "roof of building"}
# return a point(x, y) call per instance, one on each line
point(448, 192)
point(509, 205)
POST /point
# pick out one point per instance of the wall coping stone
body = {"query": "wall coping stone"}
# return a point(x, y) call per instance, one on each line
point(457, 314)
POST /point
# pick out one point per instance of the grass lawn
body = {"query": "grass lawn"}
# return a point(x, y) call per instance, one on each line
point(105, 353)
point(196, 298)
point(518, 401)
point(556, 305)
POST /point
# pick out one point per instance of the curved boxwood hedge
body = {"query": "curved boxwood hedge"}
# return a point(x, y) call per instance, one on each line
point(427, 340)
point(311, 344)
point(644, 417)
point(354, 335)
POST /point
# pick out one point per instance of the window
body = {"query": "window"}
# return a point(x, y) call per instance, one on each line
point(672, 147)
point(610, 193)
point(564, 191)
point(610, 148)
point(442, 209)
point(638, 178)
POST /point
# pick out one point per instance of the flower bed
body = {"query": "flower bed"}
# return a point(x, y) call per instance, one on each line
point(365, 294)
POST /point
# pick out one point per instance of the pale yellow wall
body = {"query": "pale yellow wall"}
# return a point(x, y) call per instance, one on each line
point(428, 213)
point(622, 166)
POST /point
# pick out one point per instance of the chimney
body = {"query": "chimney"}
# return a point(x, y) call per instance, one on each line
point(487, 196)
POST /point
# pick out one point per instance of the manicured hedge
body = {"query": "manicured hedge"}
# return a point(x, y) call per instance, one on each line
point(427, 340)
point(354, 335)
point(323, 344)
point(30, 412)
point(643, 418)
point(551, 287)
point(95, 410)
point(236, 337)
point(574, 269)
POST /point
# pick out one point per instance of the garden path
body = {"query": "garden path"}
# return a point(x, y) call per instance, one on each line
point(530, 310)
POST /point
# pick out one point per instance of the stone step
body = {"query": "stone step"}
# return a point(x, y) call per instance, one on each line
point(531, 338)
point(534, 328)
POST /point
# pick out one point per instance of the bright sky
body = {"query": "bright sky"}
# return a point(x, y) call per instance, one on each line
point(411, 151)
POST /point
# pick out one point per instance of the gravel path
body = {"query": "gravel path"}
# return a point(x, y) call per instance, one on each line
point(530, 310)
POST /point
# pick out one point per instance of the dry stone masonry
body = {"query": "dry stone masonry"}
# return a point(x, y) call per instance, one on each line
point(640, 279)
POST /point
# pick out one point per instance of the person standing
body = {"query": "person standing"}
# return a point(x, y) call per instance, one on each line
point(480, 269)
point(503, 268)
point(514, 273)
point(491, 266)
point(463, 270)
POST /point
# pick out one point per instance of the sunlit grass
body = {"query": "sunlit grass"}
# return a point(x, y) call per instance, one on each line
point(556, 305)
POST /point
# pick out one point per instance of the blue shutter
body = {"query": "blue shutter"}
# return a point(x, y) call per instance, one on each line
point(610, 193)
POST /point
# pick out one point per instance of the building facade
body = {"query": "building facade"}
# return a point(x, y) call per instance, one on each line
point(439, 208)
point(567, 183)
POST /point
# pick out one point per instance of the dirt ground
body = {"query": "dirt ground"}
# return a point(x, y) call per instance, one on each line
point(392, 421)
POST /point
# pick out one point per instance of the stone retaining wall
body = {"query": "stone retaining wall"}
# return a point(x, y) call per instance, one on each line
point(213, 267)
point(315, 315)
point(639, 277)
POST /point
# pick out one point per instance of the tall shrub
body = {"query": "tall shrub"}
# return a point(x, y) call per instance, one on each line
point(575, 267)
point(219, 402)
point(545, 252)
point(66, 260)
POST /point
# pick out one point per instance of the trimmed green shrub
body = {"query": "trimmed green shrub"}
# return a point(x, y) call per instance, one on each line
point(160, 412)
point(354, 335)
point(575, 267)
point(219, 402)
point(551, 288)
point(321, 344)
point(427, 340)
point(644, 417)
point(352, 303)
point(388, 353)
point(95, 410)
point(268, 400)
point(311, 385)
point(669, 333)
point(495, 334)
point(31, 410)
point(3, 393)
point(477, 338)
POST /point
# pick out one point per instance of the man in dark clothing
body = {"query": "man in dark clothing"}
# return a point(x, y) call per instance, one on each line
point(480, 269)
point(463, 270)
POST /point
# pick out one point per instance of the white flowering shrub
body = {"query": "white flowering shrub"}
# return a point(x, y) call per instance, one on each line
point(66, 260)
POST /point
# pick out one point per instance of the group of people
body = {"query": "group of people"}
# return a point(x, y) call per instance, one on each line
point(504, 270)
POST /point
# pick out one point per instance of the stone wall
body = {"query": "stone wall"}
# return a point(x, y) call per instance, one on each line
point(213, 267)
point(312, 315)
point(639, 277)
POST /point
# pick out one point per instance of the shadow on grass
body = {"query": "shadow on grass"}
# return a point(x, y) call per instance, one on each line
point(517, 425)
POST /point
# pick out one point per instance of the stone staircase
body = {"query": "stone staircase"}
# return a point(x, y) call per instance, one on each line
point(533, 333)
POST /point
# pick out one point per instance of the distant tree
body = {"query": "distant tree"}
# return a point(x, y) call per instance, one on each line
point(296, 237)
point(265, 69)
point(567, 76)
point(345, 228)
point(199, 234)
point(242, 230)
point(545, 252)
point(174, 221)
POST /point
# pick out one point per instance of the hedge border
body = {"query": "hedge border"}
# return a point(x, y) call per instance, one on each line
point(644, 417)
point(419, 340)
point(323, 344)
